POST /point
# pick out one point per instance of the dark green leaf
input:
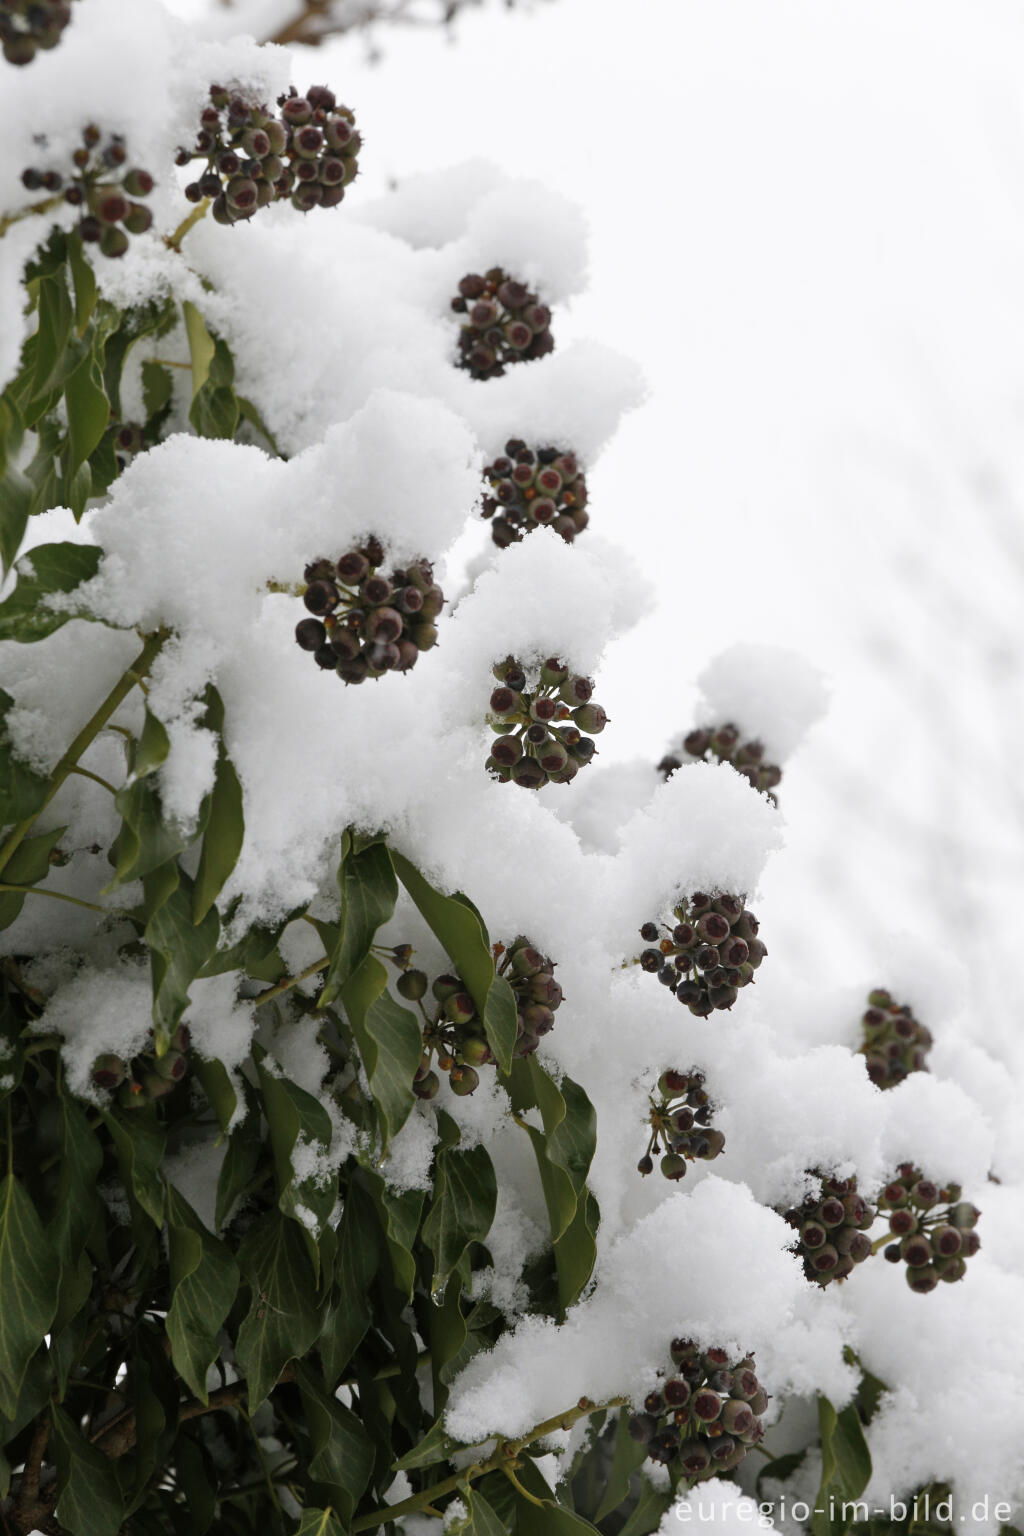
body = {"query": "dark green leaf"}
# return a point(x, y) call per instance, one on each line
point(203, 1281)
point(89, 1500)
point(76, 1199)
point(237, 1169)
point(219, 1089)
point(356, 1263)
point(84, 280)
point(196, 1480)
point(48, 568)
point(342, 1453)
point(293, 1113)
point(369, 891)
point(222, 840)
point(548, 1518)
point(649, 1510)
point(465, 1196)
point(845, 1468)
point(460, 928)
point(781, 1468)
point(400, 1218)
point(139, 1142)
point(390, 1042)
point(283, 1321)
point(22, 792)
point(51, 338)
point(88, 412)
point(157, 387)
point(627, 1458)
point(179, 948)
point(29, 1283)
point(320, 1522)
point(435, 1446)
point(483, 1521)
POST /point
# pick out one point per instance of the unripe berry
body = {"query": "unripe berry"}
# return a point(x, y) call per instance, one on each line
point(463, 1080)
point(412, 984)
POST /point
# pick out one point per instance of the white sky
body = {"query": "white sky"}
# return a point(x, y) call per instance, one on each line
point(807, 226)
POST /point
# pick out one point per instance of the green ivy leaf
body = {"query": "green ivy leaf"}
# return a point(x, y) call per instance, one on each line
point(548, 1518)
point(465, 1196)
point(89, 1499)
point(48, 568)
point(201, 346)
point(236, 1171)
point(50, 353)
point(649, 1510)
point(178, 949)
point(203, 1281)
point(435, 1446)
point(458, 925)
point(29, 1284)
point(563, 1149)
point(356, 1262)
point(283, 1320)
point(369, 891)
point(216, 1083)
point(84, 280)
point(22, 792)
point(320, 1522)
point(139, 1142)
point(291, 1112)
point(225, 827)
point(342, 1453)
point(390, 1042)
point(845, 1468)
point(400, 1219)
point(157, 388)
point(483, 1521)
point(76, 1200)
point(88, 413)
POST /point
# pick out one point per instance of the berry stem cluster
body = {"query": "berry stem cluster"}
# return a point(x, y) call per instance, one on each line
point(933, 1228)
point(367, 624)
point(541, 727)
point(710, 951)
point(681, 1122)
point(534, 488)
point(704, 1419)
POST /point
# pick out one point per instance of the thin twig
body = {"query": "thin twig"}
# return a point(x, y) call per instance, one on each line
point(173, 242)
point(290, 981)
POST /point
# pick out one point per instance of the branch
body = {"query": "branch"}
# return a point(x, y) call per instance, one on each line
point(504, 1458)
point(115, 698)
point(173, 242)
point(31, 210)
point(289, 982)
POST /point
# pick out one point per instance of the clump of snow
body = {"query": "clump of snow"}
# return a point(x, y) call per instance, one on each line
point(769, 693)
point(934, 1124)
point(96, 1013)
point(410, 1154)
point(615, 1340)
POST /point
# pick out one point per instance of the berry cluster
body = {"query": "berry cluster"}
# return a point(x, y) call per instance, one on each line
point(895, 1044)
point(26, 25)
point(505, 323)
point(833, 1228)
point(723, 743)
point(540, 729)
point(102, 190)
point(534, 488)
point(934, 1228)
point(710, 952)
point(367, 624)
point(145, 1077)
point(455, 1032)
point(681, 1119)
point(253, 157)
point(703, 1420)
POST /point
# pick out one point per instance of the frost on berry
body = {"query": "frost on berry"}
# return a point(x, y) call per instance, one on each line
point(703, 1418)
point(894, 1043)
point(832, 1230)
point(308, 152)
point(706, 953)
point(366, 624)
point(453, 1032)
point(504, 322)
point(103, 191)
point(541, 725)
point(725, 744)
point(680, 1121)
point(934, 1230)
point(29, 25)
point(534, 488)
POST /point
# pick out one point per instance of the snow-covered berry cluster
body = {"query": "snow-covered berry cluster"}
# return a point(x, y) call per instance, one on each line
point(681, 1122)
point(505, 323)
point(454, 1032)
point(367, 624)
point(541, 728)
point(934, 1228)
point(253, 157)
point(833, 1230)
point(145, 1077)
point(895, 1044)
point(534, 488)
point(27, 25)
point(705, 1418)
point(101, 189)
point(710, 951)
point(724, 744)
